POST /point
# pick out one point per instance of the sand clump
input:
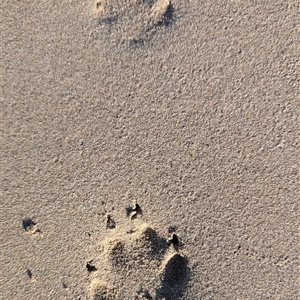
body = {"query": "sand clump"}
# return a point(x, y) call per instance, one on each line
point(161, 11)
point(100, 290)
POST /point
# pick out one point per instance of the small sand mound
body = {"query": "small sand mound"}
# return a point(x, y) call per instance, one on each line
point(148, 240)
point(161, 11)
point(99, 290)
point(116, 252)
point(146, 233)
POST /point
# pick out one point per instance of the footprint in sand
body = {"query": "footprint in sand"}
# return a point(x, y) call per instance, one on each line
point(141, 263)
point(135, 21)
point(135, 262)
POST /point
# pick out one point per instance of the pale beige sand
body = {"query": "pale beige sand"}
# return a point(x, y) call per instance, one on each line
point(188, 108)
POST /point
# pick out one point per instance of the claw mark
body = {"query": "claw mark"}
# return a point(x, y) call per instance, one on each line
point(134, 212)
point(28, 224)
point(110, 222)
point(174, 241)
point(90, 267)
point(29, 273)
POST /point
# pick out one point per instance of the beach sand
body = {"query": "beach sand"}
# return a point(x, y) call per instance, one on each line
point(150, 149)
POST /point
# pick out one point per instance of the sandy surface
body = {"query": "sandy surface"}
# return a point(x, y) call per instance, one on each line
point(189, 110)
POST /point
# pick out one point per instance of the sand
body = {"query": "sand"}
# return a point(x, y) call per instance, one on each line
point(150, 149)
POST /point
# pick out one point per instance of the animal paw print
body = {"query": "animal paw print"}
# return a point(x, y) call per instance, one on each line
point(135, 21)
point(135, 262)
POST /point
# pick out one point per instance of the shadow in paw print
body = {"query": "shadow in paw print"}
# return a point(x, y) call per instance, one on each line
point(90, 267)
point(175, 277)
point(29, 273)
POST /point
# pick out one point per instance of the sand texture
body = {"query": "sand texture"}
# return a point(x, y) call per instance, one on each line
point(150, 149)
